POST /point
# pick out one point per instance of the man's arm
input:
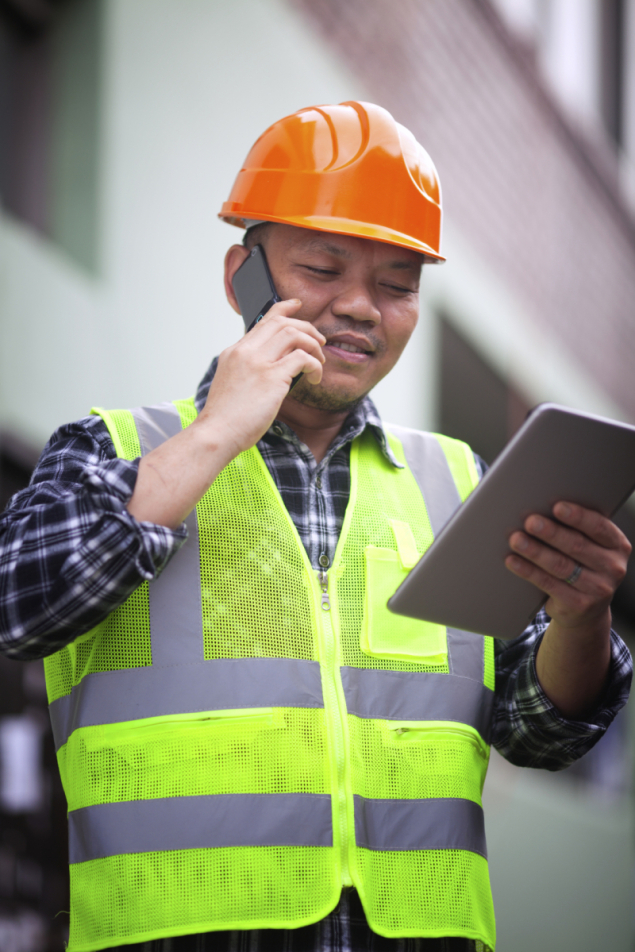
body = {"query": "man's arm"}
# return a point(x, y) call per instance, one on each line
point(574, 655)
point(70, 553)
point(91, 528)
point(252, 380)
point(527, 729)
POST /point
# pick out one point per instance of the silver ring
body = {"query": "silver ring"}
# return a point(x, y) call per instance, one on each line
point(575, 575)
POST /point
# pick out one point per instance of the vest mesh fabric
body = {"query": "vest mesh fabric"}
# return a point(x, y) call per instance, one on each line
point(259, 600)
point(108, 647)
point(440, 892)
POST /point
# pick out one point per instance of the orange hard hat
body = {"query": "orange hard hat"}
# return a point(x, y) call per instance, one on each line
point(349, 169)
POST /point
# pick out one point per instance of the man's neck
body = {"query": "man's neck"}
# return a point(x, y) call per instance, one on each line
point(316, 428)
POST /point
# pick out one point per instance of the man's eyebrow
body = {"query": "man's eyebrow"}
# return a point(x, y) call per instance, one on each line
point(319, 244)
point(405, 266)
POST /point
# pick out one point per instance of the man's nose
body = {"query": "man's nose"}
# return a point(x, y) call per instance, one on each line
point(357, 303)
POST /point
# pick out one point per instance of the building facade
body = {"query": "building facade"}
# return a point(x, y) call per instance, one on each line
point(122, 126)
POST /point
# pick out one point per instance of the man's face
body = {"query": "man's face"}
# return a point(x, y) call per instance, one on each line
point(362, 295)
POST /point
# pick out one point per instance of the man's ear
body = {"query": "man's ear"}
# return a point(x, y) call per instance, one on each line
point(233, 260)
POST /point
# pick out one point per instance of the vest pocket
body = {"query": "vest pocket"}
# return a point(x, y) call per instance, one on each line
point(145, 729)
point(385, 634)
point(416, 732)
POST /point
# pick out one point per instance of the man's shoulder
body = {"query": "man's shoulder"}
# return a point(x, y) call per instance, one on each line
point(424, 443)
point(75, 445)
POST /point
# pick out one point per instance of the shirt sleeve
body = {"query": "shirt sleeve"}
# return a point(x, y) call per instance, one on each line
point(70, 553)
point(527, 729)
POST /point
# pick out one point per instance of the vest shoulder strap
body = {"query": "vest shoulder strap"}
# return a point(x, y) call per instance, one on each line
point(137, 432)
point(443, 468)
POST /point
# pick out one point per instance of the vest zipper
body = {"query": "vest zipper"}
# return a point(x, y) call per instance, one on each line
point(323, 579)
point(335, 710)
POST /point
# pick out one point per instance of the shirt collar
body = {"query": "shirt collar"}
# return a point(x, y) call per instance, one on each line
point(364, 415)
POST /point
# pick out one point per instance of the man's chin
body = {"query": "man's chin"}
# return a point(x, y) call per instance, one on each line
point(331, 400)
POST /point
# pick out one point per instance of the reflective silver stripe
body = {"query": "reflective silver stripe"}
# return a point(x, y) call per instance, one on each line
point(418, 696)
point(435, 824)
point(466, 654)
point(176, 618)
point(155, 425)
point(430, 468)
point(176, 621)
point(109, 697)
point(185, 823)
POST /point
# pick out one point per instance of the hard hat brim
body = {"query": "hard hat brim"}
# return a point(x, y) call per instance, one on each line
point(342, 226)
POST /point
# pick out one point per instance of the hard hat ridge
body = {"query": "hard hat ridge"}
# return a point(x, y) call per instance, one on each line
point(347, 168)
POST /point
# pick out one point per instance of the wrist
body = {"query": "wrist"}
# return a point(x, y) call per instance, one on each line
point(216, 440)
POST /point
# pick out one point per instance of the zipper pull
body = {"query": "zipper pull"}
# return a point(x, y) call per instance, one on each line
point(323, 579)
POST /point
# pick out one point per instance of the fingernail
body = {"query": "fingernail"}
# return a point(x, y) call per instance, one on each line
point(565, 510)
point(538, 525)
point(520, 542)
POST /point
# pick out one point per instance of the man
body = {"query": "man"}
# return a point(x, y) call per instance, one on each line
point(255, 754)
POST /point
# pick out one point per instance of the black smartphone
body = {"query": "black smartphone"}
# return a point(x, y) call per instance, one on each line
point(254, 287)
point(255, 290)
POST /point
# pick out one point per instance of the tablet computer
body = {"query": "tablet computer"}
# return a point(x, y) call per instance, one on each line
point(558, 454)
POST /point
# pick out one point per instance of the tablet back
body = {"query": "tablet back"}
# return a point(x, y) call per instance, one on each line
point(558, 454)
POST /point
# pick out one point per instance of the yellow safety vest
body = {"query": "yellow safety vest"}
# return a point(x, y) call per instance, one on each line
point(241, 738)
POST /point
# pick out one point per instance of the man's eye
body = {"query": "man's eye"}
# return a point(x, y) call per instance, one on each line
point(398, 288)
point(325, 271)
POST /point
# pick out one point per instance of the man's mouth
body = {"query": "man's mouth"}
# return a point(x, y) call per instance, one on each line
point(358, 349)
point(349, 347)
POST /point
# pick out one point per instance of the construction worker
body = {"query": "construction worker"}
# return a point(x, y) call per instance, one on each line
point(256, 754)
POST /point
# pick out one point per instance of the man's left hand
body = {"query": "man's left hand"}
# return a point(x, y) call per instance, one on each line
point(549, 552)
point(578, 559)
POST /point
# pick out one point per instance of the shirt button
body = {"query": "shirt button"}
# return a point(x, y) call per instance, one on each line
point(277, 430)
point(318, 482)
point(324, 561)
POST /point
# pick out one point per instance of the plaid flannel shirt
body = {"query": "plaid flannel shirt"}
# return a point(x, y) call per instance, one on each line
point(70, 554)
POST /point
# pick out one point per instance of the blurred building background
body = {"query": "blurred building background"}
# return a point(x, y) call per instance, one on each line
point(122, 126)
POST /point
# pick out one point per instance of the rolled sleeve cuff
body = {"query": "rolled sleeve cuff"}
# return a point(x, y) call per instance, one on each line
point(530, 731)
point(527, 728)
point(110, 487)
point(614, 695)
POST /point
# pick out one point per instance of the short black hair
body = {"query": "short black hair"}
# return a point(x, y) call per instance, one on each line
point(253, 236)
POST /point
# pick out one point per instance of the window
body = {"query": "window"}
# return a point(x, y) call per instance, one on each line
point(612, 33)
point(49, 119)
point(476, 404)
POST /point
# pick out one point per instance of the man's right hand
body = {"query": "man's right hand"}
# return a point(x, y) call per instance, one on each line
point(252, 380)
point(254, 376)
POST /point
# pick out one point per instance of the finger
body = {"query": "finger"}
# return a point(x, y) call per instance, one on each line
point(580, 547)
point(601, 566)
point(563, 544)
point(299, 362)
point(555, 562)
point(281, 338)
point(282, 313)
point(591, 592)
point(281, 309)
point(598, 584)
point(549, 562)
point(592, 524)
